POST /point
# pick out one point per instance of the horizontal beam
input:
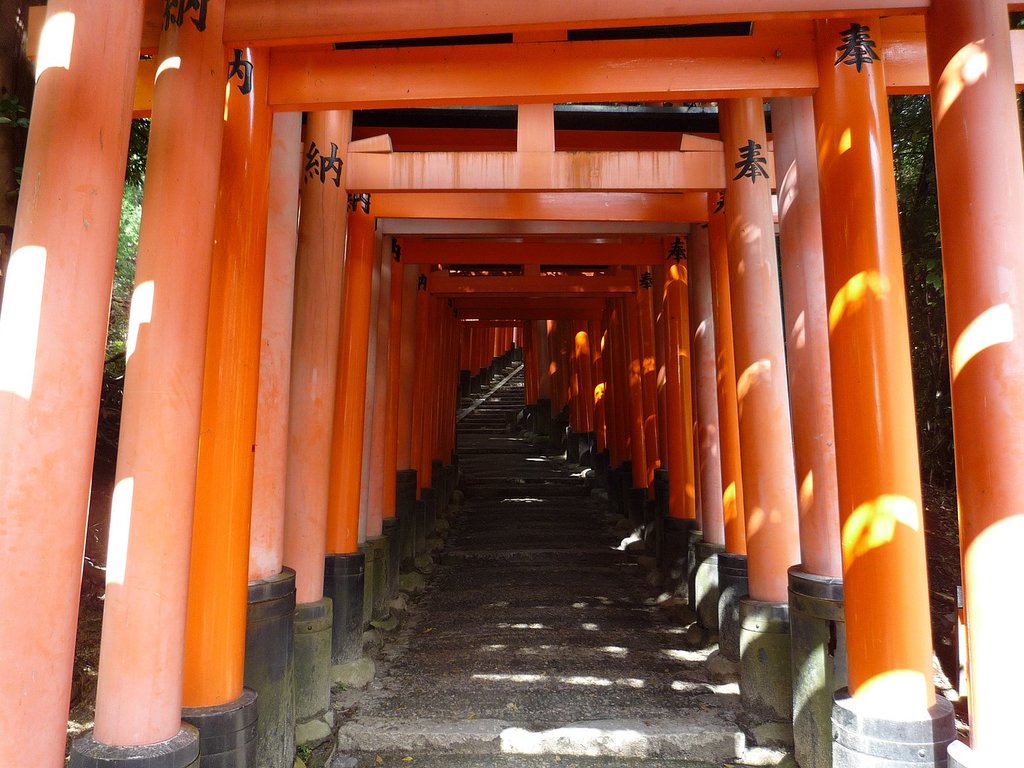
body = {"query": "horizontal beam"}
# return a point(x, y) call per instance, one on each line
point(408, 139)
point(779, 59)
point(272, 22)
point(442, 284)
point(523, 308)
point(483, 252)
point(539, 171)
point(586, 228)
point(563, 312)
point(603, 208)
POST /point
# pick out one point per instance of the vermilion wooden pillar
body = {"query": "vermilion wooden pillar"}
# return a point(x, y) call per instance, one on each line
point(394, 374)
point(981, 196)
point(660, 366)
point(350, 391)
point(599, 390)
point(407, 367)
point(318, 294)
point(702, 324)
point(766, 438)
point(681, 396)
point(52, 331)
point(418, 381)
point(138, 699)
point(810, 382)
point(884, 567)
point(270, 463)
point(215, 625)
point(633, 370)
point(728, 418)
point(649, 380)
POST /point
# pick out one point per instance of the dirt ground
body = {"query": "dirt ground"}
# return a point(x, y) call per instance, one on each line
point(942, 542)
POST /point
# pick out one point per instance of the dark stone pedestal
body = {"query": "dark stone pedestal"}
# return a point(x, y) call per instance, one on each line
point(344, 584)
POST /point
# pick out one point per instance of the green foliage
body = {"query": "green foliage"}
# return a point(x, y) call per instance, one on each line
point(12, 112)
point(922, 263)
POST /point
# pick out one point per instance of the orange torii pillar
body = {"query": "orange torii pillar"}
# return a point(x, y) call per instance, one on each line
point(52, 347)
point(978, 168)
point(766, 437)
point(709, 466)
point(531, 376)
point(138, 699)
point(816, 585)
point(556, 367)
point(427, 394)
point(316, 324)
point(890, 699)
point(371, 485)
point(599, 392)
point(649, 378)
point(732, 563)
point(680, 522)
point(344, 567)
point(641, 472)
point(620, 473)
point(269, 650)
point(542, 412)
point(580, 445)
point(215, 630)
point(406, 483)
point(418, 381)
point(465, 358)
point(658, 278)
point(390, 525)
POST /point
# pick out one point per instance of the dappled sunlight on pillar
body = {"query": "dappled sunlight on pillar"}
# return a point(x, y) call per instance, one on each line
point(993, 326)
point(56, 43)
point(120, 531)
point(20, 318)
point(966, 68)
point(170, 64)
point(855, 294)
point(876, 523)
point(141, 313)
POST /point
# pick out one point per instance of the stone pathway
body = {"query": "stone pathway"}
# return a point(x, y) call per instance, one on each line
point(537, 642)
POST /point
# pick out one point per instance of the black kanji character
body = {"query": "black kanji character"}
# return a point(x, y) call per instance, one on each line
point(752, 163)
point(858, 48)
point(242, 69)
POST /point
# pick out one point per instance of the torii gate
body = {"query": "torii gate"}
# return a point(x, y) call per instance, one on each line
point(192, 352)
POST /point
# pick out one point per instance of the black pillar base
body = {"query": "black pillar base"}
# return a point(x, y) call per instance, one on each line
point(614, 480)
point(694, 537)
point(269, 666)
point(542, 416)
point(464, 383)
point(474, 385)
point(313, 622)
point(675, 547)
point(227, 732)
point(438, 484)
point(375, 595)
point(405, 511)
point(862, 739)
point(428, 497)
point(601, 467)
point(572, 447)
point(344, 579)
point(392, 530)
point(588, 447)
point(732, 587)
point(705, 587)
point(656, 537)
point(179, 751)
point(638, 514)
point(420, 542)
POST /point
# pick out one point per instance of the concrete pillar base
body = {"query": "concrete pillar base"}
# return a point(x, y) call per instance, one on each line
point(392, 531)
point(227, 732)
point(637, 507)
point(451, 482)
point(464, 383)
point(766, 672)
point(269, 666)
point(864, 740)
point(695, 536)
point(438, 484)
point(429, 498)
point(572, 447)
point(313, 622)
point(818, 631)
point(344, 580)
point(405, 511)
point(732, 587)
point(705, 587)
point(375, 582)
point(419, 547)
point(660, 516)
point(474, 385)
point(180, 751)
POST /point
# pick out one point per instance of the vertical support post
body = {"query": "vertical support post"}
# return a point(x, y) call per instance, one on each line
point(269, 652)
point(318, 293)
point(215, 627)
point(706, 588)
point(978, 168)
point(391, 525)
point(884, 567)
point(815, 586)
point(344, 567)
point(766, 438)
point(649, 382)
point(138, 700)
point(53, 326)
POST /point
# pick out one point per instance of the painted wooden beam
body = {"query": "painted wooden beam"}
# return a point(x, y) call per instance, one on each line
point(488, 252)
point(443, 284)
point(588, 228)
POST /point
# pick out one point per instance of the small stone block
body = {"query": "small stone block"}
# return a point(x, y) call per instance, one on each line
point(412, 583)
point(311, 732)
point(354, 674)
point(390, 624)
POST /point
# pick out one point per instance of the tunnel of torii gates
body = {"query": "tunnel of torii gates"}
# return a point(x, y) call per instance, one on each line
point(310, 301)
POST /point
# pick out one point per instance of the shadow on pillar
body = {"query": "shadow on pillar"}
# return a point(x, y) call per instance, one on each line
point(766, 671)
point(732, 587)
point(180, 751)
point(227, 732)
point(269, 666)
point(705, 587)
point(344, 584)
point(818, 631)
point(408, 519)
